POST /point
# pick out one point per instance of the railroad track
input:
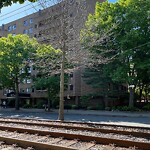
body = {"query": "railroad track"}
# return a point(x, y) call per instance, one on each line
point(70, 131)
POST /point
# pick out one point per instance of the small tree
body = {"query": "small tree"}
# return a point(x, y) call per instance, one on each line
point(51, 83)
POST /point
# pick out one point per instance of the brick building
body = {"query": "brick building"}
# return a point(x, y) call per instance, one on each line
point(46, 26)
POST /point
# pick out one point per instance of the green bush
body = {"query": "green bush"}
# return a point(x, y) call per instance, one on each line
point(113, 108)
point(55, 102)
point(127, 108)
point(74, 107)
point(91, 108)
point(57, 107)
point(35, 106)
point(27, 106)
point(98, 107)
point(68, 107)
point(107, 108)
point(84, 101)
point(39, 104)
point(147, 107)
point(11, 103)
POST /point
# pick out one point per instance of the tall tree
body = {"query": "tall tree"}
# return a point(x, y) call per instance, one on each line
point(126, 26)
point(15, 54)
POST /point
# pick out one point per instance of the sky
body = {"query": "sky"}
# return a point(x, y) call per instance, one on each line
point(17, 11)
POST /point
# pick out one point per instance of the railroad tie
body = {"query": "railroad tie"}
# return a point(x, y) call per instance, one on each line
point(89, 145)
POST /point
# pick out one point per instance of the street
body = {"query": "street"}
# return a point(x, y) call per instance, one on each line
point(101, 118)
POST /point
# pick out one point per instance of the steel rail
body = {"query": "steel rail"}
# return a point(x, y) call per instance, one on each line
point(84, 123)
point(37, 145)
point(137, 134)
point(98, 140)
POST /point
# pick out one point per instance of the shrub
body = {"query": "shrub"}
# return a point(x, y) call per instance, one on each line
point(67, 106)
point(74, 107)
point(147, 107)
point(91, 108)
point(98, 107)
point(107, 108)
point(57, 107)
point(127, 108)
point(55, 102)
point(39, 105)
point(84, 100)
point(11, 103)
point(27, 106)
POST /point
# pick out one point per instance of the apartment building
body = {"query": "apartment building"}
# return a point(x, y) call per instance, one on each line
point(48, 25)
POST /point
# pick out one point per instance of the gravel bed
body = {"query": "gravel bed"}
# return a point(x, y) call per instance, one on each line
point(79, 132)
point(50, 140)
point(80, 125)
point(110, 147)
point(4, 146)
point(78, 145)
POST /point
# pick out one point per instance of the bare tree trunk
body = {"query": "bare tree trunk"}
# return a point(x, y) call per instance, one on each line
point(106, 100)
point(61, 102)
point(131, 97)
point(16, 94)
point(49, 101)
point(63, 45)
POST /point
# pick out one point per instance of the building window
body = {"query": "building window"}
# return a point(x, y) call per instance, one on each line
point(9, 28)
point(25, 22)
point(30, 30)
point(13, 34)
point(71, 75)
point(35, 26)
point(71, 87)
point(28, 90)
point(29, 69)
point(28, 80)
point(31, 20)
point(25, 31)
point(14, 27)
point(22, 90)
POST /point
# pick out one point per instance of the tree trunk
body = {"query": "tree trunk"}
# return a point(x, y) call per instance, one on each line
point(131, 97)
point(16, 94)
point(49, 101)
point(140, 97)
point(106, 100)
point(61, 102)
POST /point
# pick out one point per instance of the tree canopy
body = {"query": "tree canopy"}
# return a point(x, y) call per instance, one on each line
point(10, 2)
point(119, 34)
point(16, 53)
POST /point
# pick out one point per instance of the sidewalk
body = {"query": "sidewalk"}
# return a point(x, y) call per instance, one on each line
point(82, 112)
